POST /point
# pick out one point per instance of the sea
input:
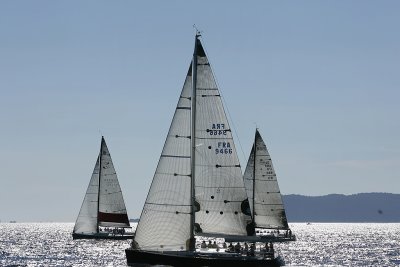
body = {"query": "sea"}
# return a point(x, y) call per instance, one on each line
point(318, 244)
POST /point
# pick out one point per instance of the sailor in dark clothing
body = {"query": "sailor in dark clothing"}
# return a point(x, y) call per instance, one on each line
point(238, 247)
point(231, 248)
point(252, 249)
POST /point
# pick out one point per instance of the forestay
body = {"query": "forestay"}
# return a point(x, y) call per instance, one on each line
point(266, 200)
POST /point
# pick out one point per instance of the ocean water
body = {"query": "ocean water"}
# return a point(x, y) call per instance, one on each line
point(318, 244)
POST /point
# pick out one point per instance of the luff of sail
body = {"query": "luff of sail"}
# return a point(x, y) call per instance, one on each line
point(262, 188)
point(165, 220)
point(219, 189)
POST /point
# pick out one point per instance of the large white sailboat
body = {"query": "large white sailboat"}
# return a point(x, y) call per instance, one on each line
point(103, 213)
point(198, 188)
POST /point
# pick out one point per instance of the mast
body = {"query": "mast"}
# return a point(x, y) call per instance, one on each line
point(98, 190)
point(193, 145)
point(254, 179)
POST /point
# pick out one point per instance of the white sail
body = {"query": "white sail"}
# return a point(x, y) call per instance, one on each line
point(165, 220)
point(86, 222)
point(112, 210)
point(219, 188)
point(262, 188)
point(103, 204)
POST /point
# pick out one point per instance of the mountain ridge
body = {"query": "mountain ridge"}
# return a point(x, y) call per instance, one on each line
point(360, 207)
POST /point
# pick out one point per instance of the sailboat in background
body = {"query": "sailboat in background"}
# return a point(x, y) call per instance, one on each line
point(103, 213)
point(267, 209)
point(198, 188)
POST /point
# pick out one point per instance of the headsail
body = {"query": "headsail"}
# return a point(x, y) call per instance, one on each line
point(219, 189)
point(112, 210)
point(262, 188)
point(87, 218)
point(165, 220)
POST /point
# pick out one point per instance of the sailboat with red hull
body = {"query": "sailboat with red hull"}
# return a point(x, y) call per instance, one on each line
point(103, 213)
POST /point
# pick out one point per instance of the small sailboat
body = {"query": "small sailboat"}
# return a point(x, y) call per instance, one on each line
point(103, 213)
point(198, 188)
point(268, 212)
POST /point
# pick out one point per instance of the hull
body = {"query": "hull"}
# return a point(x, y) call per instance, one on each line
point(102, 236)
point(180, 259)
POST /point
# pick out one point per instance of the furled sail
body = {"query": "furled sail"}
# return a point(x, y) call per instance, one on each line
point(262, 188)
point(219, 189)
point(87, 218)
point(165, 220)
point(112, 210)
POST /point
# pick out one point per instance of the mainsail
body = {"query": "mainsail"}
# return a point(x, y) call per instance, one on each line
point(212, 171)
point(103, 204)
point(219, 189)
point(262, 188)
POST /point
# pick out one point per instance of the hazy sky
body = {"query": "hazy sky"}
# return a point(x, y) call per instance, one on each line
point(319, 78)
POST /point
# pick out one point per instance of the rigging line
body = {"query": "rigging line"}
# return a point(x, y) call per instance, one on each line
point(226, 108)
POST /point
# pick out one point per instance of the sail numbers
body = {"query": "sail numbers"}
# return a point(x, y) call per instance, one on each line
point(223, 148)
point(217, 129)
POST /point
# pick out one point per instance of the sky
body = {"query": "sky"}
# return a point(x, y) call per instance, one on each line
point(320, 79)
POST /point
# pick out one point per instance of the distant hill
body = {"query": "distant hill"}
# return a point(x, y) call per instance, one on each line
point(364, 207)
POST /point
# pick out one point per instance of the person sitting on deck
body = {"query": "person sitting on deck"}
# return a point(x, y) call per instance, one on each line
point(246, 249)
point(230, 248)
point(238, 247)
point(203, 244)
point(252, 249)
point(209, 244)
point(224, 245)
point(214, 245)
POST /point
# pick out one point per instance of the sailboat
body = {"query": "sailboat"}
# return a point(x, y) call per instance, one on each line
point(268, 211)
point(198, 188)
point(103, 213)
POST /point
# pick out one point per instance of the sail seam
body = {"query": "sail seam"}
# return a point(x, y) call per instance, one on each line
point(175, 156)
point(202, 186)
point(164, 204)
point(211, 95)
point(172, 174)
point(207, 89)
